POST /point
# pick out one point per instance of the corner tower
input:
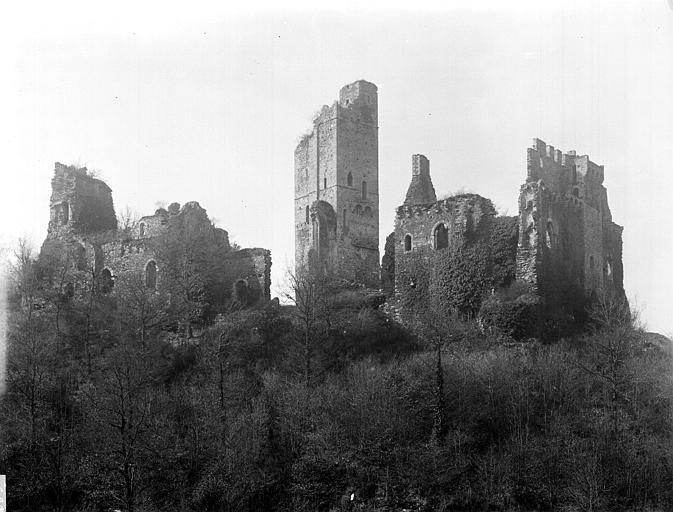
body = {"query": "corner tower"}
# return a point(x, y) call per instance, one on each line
point(568, 243)
point(336, 171)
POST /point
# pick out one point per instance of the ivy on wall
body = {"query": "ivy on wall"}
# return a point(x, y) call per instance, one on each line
point(458, 278)
point(504, 239)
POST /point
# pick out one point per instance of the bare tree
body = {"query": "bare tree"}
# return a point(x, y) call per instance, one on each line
point(127, 220)
point(307, 291)
point(439, 328)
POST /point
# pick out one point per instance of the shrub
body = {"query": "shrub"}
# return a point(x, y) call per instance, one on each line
point(511, 312)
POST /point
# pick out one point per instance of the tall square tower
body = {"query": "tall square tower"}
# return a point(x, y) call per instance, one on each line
point(336, 170)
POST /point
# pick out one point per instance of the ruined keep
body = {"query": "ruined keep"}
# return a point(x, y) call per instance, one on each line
point(567, 239)
point(563, 246)
point(83, 226)
point(336, 174)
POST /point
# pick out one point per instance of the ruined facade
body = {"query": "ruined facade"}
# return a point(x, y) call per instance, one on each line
point(83, 224)
point(567, 238)
point(442, 248)
point(563, 245)
point(336, 176)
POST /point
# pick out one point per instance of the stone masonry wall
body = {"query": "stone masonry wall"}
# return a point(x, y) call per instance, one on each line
point(337, 165)
point(425, 272)
point(79, 203)
point(86, 227)
point(568, 244)
point(253, 267)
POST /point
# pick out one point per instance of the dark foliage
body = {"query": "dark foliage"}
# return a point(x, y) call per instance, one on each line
point(504, 239)
point(105, 411)
point(512, 312)
point(388, 266)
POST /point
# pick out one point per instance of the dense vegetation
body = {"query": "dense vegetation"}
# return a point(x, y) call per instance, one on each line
point(325, 405)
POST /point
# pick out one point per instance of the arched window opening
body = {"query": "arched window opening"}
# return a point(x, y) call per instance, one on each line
point(241, 291)
point(440, 237)
point(65, 212)
point(349, 180)
point(358, 210)
point(407, 243)
point(151, 275)
point(364, 190)
point(576, 191)
point(142, 229)
point(591, 262)
point(307, 214)
point(106, 281)
point(549, 236)
point(368, 211)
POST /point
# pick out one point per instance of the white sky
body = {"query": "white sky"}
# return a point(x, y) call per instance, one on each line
point(198, 102)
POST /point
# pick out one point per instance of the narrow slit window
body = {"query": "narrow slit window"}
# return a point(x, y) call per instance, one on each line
point(407, 243)
point(151, 275)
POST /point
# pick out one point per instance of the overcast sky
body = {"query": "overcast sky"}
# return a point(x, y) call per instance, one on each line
point(202, 103)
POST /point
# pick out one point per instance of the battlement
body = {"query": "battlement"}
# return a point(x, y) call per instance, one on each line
point(453, 204)
point(582, 163)
point(547, 150)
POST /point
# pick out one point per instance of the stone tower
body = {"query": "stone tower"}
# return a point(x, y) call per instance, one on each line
point(336, 171)
point(80, 204)
point(568, 242)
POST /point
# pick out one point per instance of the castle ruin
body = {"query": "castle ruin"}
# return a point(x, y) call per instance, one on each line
point(563, 246)
point(83, 224)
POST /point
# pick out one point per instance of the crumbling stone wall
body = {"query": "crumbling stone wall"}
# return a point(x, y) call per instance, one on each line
point(252, 268)
point(336, 165)
point(79, 203)
point(568, 243)
point(453, 270)
point(563, 247)
point(83, 224)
